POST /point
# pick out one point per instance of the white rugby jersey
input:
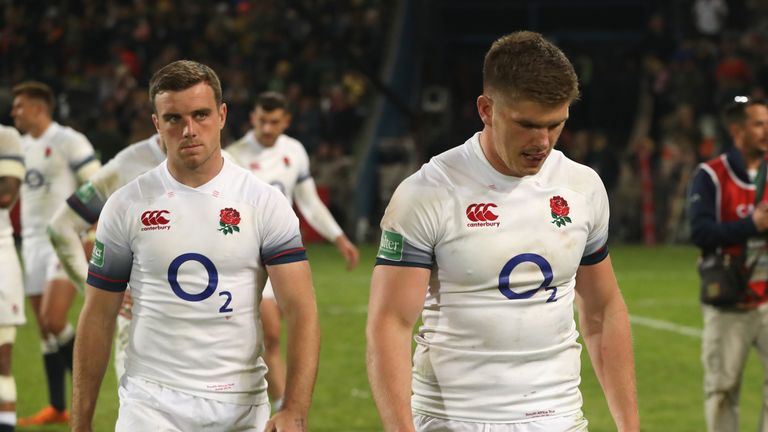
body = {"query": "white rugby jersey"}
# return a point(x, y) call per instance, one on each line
point(52, 161)
point(192, 257)
point(11, 165)
point(129, 163)
point(11, 288)
point(498, 339)
point(285, 165)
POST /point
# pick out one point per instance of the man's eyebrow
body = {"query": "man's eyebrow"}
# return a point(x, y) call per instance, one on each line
point(532, 124)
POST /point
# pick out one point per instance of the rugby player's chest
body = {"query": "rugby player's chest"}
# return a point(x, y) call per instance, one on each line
point(276, 167)
point(207, 230)
point(546, 230)
point(42, 159)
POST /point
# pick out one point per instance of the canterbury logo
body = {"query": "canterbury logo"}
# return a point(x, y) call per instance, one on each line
point(481, 212)
point(154, 217)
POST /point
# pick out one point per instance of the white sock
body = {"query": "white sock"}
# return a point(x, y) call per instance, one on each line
point(8, 417)
point(65, 335)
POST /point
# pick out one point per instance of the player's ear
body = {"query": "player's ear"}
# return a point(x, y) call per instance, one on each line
point(156, 122)
point(223, 115)
point(485, 109)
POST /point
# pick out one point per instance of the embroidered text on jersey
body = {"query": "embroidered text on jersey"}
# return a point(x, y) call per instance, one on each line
point(155, 220)
point(481, 215)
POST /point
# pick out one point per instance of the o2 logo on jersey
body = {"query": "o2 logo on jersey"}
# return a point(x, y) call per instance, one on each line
point(546, 271)
point(34, 178)
point(213, 280)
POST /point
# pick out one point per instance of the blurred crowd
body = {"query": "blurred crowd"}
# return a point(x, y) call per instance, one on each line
point(696, 56)
point(98, 56)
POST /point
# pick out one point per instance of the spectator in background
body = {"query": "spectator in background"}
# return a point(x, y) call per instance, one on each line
point(709, 17)
point(725, 218)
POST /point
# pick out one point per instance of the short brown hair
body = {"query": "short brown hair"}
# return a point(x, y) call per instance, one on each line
point(36, 90)
point(181, 75)
point(271, 100)
point(525, 66)
point(735, 112)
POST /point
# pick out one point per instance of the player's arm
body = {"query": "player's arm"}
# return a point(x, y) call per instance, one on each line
point(9, 191)
point(92, 347)
point(604, 324)
point(320, 218)
point(292, 283)
point(396, 300)
point(11, 167)
point(64, 232)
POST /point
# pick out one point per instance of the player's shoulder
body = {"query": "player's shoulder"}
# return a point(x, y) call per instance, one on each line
point(144, 150)
point(147, 185)
point(559, 170)
point(291, 144)
point(10, 140)
point(239, 145)
point(451, 169)
point(63, 132)
point(247, 187)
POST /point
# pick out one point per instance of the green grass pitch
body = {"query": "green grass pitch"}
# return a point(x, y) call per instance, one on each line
point(659, 284)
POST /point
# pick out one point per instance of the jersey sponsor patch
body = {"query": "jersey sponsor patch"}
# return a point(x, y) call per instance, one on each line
point(85, 192)
point(391, 246)
point(97, 255)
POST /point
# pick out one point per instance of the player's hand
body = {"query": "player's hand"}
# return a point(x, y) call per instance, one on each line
point(125, 308)
point(348, 251)
point(287, 421)
point(760, 216)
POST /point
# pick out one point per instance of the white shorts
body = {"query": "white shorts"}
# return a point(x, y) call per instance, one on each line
point(40, 264)
point(268, 292)
point(11, 287)
point(569, 423)
point(147, 406)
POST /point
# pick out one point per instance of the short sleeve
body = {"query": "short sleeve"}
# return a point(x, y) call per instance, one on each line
point(281, 239)
point(11, 159)
point(303, 163)
point(596, 248)
point(112, 257)
point(79, 151)
point(410, 228)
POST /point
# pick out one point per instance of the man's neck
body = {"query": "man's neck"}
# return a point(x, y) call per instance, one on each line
point(752, 161)
point(39, 129)
point(197, 176)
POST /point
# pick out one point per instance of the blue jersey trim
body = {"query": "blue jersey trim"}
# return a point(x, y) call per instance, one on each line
point(79, 165)
point(15, 158)
point(82, 210)
point(596, 257)
point(106, 284)
point(289, 256)
point(382, 261)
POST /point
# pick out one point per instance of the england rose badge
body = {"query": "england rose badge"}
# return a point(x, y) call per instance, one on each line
point(229, 218)
point(559, 210)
